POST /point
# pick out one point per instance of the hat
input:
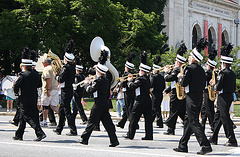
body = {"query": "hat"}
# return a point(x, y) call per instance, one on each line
point(211, 56)
point(78, 63)
point(129, 63)
point(69, 50)
point(101, 67)
point(143, 66)
point(26, 57)
point(196, 52)
point(156, 61)
point(182, 49)
point(225, 54)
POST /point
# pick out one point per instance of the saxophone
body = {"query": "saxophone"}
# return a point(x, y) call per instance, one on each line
point(211, 92)
point(180, 89)
point(56, 63)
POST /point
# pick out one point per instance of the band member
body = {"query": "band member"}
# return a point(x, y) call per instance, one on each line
point(66, 79)
point(208, 105)
point(225, 85)
point(129, 94)
point(78, 93)
point(194, 81)
point(27, 83)
point(177, 107)
point(100, 88)
point(157, 86)
point(142, 104)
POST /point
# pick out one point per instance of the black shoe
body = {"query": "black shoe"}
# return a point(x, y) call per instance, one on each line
point(83, 123)
point(96, 129)
point(169, 133)
point(52, 124)
point(82, 141)
point(212, 142)
point(147, 138)
point(180, 150)
point(234, 126)
point(127, 137)
point(71, 134)
point(228, 144)
point(17, 138)
point(161, 126)
point(40, 137)
point(57, 132)
point(204, 151)
point(114, 144)
point(13, 123)
point(117, 125)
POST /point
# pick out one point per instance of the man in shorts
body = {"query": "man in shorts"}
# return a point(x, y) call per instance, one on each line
point(49, 90)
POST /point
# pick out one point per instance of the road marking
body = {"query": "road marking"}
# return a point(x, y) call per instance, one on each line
point(81, 147)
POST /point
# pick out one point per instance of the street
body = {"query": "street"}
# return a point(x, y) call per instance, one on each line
point(62, 145)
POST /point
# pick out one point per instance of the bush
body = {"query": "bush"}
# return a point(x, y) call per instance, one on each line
point(238, 88)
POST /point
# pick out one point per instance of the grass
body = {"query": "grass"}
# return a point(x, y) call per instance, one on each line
point(90, 102)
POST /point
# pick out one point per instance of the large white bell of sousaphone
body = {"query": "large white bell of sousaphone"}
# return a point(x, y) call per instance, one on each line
point(96, 46)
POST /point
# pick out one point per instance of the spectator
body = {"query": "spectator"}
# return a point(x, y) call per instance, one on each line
point(120, 99)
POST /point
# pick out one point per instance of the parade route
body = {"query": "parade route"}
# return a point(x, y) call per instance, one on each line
point(62, 145)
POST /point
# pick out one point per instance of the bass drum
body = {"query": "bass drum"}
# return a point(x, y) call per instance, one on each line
point(7, 86)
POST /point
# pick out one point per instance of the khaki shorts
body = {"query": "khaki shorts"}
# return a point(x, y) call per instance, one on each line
point(53, 99)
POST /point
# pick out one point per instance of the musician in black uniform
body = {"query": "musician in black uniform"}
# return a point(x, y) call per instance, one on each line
point(66, 79)
point(142, 104)
point(177, 107)
point(129, 94)
point(194, 81)
point(225, 85)
point(78, 93)
point(100, 88)
point(157, 87)
point(208, 105)
point(27, 85)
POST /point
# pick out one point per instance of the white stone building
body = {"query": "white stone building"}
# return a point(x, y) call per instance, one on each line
point(190, 20)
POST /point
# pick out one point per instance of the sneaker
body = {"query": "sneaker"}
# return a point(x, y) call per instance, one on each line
point(0, 106)
point(10, 111)
point(7, 111)
point(44, 125)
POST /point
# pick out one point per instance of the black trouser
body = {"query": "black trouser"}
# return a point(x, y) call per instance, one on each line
point(191, 123)
point(32, 118)
point(16, 118)
point(156, 106)
point(51, 116)
point(222, 117)
point(141, 106)
point(65, 111)
point(77, 106)
point(207, 111)
point(177, 108)
point(99, 113)
point(127, 109)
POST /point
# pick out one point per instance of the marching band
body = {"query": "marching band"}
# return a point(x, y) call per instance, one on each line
point(143, 95)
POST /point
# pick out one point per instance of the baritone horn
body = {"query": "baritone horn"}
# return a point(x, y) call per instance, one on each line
point(56, 63)
point(97, 45)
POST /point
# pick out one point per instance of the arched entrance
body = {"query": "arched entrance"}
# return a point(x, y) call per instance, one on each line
point(212, 38)
point(225, 37)
point(196, 35)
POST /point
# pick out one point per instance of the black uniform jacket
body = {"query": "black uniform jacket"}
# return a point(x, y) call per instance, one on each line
point(67, 77)
point(157, 83)
point(101, 91)
point(194, 77)
point(141, 86)
point(130, 92)
point(226, 81)
point(27, 84)
point(79, 90)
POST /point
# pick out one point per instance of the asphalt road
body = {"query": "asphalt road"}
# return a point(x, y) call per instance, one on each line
point(62, 145)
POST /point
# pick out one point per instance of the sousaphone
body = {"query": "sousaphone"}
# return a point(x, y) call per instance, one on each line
point(97, 45)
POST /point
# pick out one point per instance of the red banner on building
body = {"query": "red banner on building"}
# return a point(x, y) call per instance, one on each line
point(206, 34)
point(219, 38)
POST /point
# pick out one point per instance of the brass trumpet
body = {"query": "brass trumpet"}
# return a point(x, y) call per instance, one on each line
point(162, 68)
point(124, 78)
point(83, 83)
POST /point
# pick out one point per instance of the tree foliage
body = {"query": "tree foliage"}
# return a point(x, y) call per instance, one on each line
point(125, 26)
